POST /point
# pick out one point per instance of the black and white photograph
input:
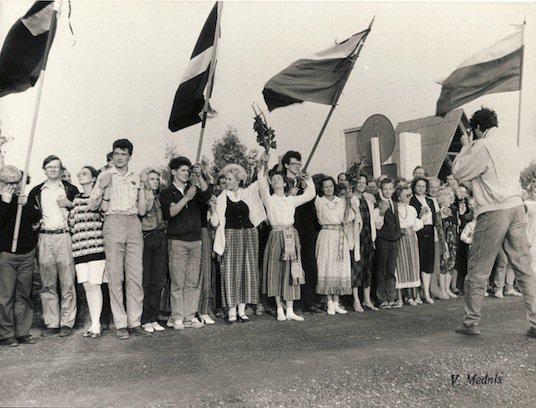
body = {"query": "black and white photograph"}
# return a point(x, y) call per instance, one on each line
point(267, 203)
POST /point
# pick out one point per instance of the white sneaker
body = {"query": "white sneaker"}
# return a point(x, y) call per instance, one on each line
point(293, 316)
point(157, 327)
point(193, 324)
point(331, 308)
point(512, 292)
point(498, 294)
point(170, 323)
point(281, 314)
point(338, 309)
point(148, 327)
point(205, 318)
point(178, 326)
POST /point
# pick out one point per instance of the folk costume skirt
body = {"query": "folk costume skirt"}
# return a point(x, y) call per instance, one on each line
point(240, 267)
point(333, 262)
point(407, 261)
point(206, 276)
point(277, 273)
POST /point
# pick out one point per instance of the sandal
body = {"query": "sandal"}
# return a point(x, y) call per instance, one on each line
point(91, 334)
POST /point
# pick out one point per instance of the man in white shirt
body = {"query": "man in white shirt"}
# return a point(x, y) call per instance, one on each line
point(492, 166)
point(54, 197)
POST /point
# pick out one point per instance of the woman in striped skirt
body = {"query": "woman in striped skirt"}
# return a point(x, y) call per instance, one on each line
point(239, 212)
point(407, 260)
point(282, 268)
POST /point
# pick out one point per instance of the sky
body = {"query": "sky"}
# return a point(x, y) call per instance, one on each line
point(117, 76)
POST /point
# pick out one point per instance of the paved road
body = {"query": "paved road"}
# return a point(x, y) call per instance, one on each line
point(394, 358)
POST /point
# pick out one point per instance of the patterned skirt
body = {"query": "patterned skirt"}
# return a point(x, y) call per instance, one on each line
point(240, 267)
point(362, 269)
point(334, 271)
point(206, 275)
point(276, 279)
point(407, 261)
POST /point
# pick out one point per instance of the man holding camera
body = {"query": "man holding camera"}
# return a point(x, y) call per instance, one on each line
point(17, 267)
point(493, 167)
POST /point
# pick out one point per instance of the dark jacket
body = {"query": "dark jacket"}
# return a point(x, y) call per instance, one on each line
point(186, 225)
point(34, 197)
point(390, 230)
point(27, 235)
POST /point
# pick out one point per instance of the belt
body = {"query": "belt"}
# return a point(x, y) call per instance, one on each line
point(149, 232)
point(282, 227)
point(340, 228)
point(55, 231)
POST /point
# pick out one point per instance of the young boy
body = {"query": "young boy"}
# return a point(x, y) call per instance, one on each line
point(388, 234)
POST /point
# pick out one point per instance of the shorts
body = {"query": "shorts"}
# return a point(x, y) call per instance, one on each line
point(92, 272)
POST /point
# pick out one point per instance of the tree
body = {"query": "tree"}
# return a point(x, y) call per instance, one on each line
point(3, 140)
point(228, 149)
point(528, 174)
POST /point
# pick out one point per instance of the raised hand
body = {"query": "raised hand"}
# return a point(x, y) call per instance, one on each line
point(7, 193)
point(383, 206)
point(190, 194)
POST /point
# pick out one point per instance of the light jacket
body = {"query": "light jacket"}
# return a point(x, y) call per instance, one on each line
point(492, 165)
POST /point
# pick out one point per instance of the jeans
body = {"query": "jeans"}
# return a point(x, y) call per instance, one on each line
point(154, 272)
point(123, 245)
point(56, 263)
point(496, 229)
point(184, 269)
point(503, 274)
point(16, 275)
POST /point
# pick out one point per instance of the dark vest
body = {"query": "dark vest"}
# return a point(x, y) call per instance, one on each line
point(415, 203)
point(391, 225)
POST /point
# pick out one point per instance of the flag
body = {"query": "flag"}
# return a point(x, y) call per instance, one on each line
point(492, 70)
point(315, 78)
point(189, 98)
point(23, 53)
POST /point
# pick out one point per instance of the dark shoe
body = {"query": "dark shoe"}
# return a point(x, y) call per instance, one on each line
point(50, 331)
point(11, 342)
point(140, 331)
point(28, 339)
point(122, 334)
point(65, 331)
point(105, 326)
point(532, 332)
point(469, 330)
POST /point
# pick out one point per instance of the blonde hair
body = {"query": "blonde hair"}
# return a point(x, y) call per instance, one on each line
point(236, 170)
point(10, 174)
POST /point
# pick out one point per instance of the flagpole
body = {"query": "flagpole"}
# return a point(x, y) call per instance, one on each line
point(521, 81)
point(339, 92)
point(212, 70)
point(41, 81)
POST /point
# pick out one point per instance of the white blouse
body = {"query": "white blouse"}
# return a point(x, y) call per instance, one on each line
point(407, 216)
point(427, 218)
point(332, 212)
point(281, 210)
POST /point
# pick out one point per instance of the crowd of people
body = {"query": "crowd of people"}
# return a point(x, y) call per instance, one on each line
point(201, 247)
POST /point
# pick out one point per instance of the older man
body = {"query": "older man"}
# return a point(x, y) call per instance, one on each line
point(492, 166)
point(16, 268)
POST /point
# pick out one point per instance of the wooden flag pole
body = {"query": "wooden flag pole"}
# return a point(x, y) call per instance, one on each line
point(521, 81)
point(338, 95)
point(210, 83)
point(41, 81)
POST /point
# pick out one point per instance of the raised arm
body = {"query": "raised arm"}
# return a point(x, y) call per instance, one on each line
point(308, 194)
point(471, 162)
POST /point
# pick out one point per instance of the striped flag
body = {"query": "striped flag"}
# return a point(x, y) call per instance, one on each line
point(492, 70)
point(23, 52)
point(315, 78)
point(190, 96)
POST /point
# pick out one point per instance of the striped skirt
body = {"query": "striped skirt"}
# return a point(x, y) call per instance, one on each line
point(407, 261)
point(240, 267)
point(206, 275)
point(276, 279)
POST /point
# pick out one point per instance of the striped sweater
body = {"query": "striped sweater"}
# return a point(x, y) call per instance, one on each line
point(86, 231)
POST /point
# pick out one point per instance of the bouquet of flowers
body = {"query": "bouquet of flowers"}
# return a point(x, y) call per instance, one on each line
point(265, 134)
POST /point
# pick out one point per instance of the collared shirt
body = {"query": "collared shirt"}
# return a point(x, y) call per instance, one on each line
point(123, 192)
point(54, 216)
